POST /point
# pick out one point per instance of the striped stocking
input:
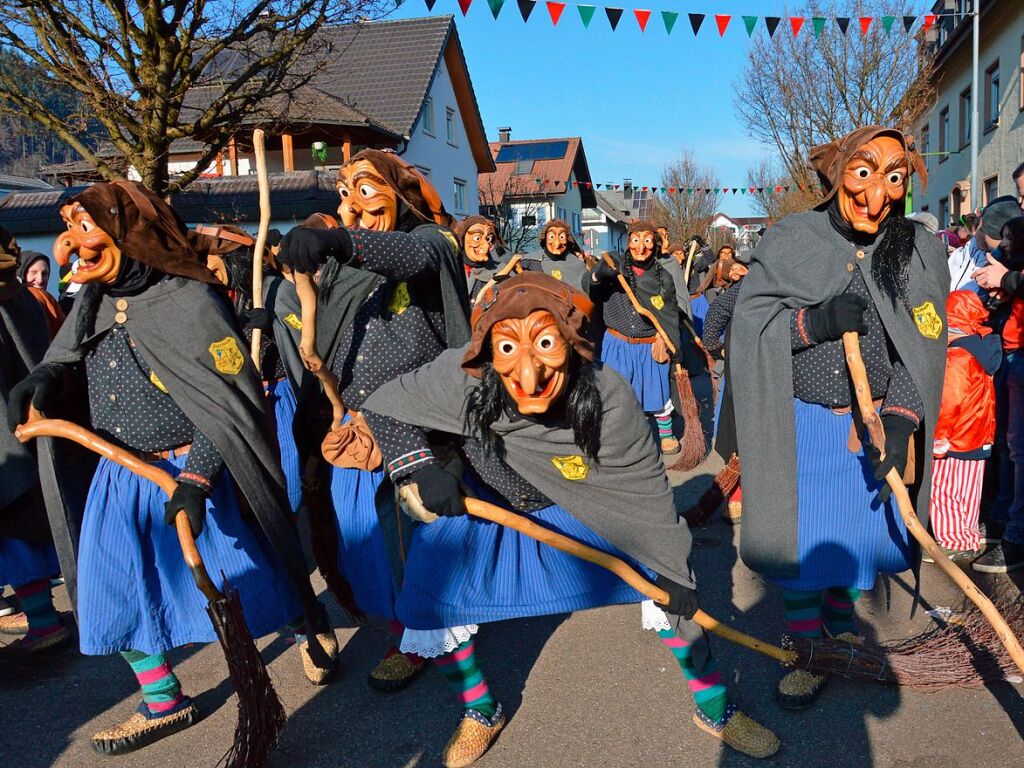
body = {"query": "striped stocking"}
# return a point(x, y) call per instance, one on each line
point(37, 603)
point(664, 421)
point(709, 693)
point(160, 687)
point(467, 680)
point(803, 612)
point(837, 610)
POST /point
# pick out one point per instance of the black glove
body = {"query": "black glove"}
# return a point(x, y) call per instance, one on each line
point(259, 317)
point(439, 491)
point(603, 272)
point(42, 387)
point(837, 316)
point(682, 601)
point(897, 439)
point(305, 249)
point(192, 499)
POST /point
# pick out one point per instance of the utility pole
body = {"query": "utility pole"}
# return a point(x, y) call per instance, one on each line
point(976, 197)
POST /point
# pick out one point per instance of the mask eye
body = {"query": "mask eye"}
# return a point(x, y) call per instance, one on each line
point(87, 226)
point(367, 191)
point(862, 172)
point(70, 225)
point(896, 177)
point(506, 347)
point(343, 191)
point(546, 343)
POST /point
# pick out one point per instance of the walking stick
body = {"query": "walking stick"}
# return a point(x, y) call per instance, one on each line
point(692, 446)
point(876, 433)
point(307, 294)
point(260, 714)
point(512, 264)
point(259, 148)
point(689, 264)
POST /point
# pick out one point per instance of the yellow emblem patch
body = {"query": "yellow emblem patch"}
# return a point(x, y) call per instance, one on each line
point(399, 299)
point(571, 467)
point(658, 301)
point(293, 320)
point(451, 239)
point(928, 321)
point(227, 357)
point(155, 381)
point(556, 273)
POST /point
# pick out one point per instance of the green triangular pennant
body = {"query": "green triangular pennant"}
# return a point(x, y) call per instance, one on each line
point(750, 22)
point(818, 22)
point(495, 7)
point(586, 14)
point(887, 22)
point(669, 18)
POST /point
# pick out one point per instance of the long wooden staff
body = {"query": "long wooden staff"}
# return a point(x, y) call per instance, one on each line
point(689, 264)
point(512, 263)
point(876, 433)
point(263, 181)
point(306, 291)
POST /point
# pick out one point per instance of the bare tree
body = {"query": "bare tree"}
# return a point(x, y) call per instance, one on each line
point(690, 209)
point(798, 90)
point(512, 204)
point(776, 194)
point(135, 63)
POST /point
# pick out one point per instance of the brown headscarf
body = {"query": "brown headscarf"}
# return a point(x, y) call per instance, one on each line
point(144, 227)
point(830, 160)
point(573, 246)
point(462, 227)
point(417, 194)
point(519, 296)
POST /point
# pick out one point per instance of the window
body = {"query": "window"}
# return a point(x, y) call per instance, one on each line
point(575, 222)
point(926, 140)
point(944, 212)
point(449, 125)
point(428, 117)
point(529, 221)
point(958, 202)
point(943, 133)
point(965, 117)
point(991, 190)
point(542, 215)
point(992, 96)
point(560, 213)
point(460, 195)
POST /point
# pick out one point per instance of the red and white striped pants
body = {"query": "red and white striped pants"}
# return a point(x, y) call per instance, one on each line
point(956, 502)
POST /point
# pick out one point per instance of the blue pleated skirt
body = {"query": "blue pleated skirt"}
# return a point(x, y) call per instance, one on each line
point(22, 562)
point(134, 589)
point(362, 556)
point(699, 307)
point(282, 397)
point(463, 570)
point(648, 378)
point(844, 538)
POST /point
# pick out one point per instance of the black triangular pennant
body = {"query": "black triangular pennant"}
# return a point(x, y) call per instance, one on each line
point(696, 19)
point(430, 4)
point(772, 22)
point(843, 22)
point(613, 14)
point(526, 8)
point(908, 22)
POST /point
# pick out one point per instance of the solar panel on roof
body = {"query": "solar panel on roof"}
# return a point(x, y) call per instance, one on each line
point(541, 150)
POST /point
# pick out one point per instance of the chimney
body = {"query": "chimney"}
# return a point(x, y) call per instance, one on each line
point(504, 135)
point(627, 188)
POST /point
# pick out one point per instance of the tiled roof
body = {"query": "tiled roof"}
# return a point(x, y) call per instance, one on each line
point(21, 182)
point(23, 213)
point(554, 175)
point(614, 207)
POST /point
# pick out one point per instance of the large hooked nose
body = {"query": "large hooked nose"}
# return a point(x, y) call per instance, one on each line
point(528, 373)
point(65, 247)
point(877, 199)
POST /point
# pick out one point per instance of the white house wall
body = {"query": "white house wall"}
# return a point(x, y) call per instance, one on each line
point(446, 162)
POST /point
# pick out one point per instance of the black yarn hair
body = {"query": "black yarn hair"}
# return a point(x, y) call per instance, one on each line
point(890, 263)
point(582, 407)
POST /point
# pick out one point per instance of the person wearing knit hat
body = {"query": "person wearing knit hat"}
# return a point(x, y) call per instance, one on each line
point(966, 428)
point(522, 417)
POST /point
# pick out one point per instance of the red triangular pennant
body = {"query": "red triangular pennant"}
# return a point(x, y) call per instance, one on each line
point(555, 9)
point(796, 22)
point(722, 21)
point(752, 189)
point(865, 24)
point(575, 184)
point(929, 19)
point(778, 189)
point(464, 5)
point(671, 190)
point(641, 18)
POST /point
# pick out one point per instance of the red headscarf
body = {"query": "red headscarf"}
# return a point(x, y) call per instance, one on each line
point(966, 313)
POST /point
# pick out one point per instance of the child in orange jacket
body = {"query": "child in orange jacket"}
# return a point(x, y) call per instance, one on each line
point(966, 426)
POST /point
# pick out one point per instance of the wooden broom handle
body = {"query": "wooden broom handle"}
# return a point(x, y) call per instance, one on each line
point(263, 181)
point(862, 391)
point(689, 265)
point(306, 291)
point(512, 263)
point(620, 568)
point(37, 426)
point(640, 308)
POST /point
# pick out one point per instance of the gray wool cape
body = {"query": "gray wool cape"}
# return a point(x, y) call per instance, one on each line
point(182, 328)
point(803, 261)
point(624, 496)
point(571, 270)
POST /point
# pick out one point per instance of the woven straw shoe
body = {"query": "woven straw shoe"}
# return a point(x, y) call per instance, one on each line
point(733, 512)
point(14, 624)
point(669, 446)
point(313, 673)
point(741, 733)
point(472, 738)
point(394, 673)
point(798, 689)
point(44, 644)
point(142, 729)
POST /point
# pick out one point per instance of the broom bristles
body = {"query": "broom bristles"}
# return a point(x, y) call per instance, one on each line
point(261, 716)
point(693, 447)
point(324, 539)
point(722, 486)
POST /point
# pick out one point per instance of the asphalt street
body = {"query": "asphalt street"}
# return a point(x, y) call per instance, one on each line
point(589, 689)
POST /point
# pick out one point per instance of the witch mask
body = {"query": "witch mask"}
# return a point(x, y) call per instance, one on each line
point(532, 358)
point(478, 242)
point(874, 180)
point(367, 200)
point(641, 244)
point(99, 257)
point(556, 240)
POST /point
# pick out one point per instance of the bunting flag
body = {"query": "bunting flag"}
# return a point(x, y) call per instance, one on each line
point(929, 19)
point(843, 22)
point(908, 22)
point(887, 24)
point(642, 17)
point(464, 5)
point(818, 23)
point(865, 24)
point(796, 22)
point(526, 8)
point(613, 14)
point(722, 21)
point(772, 22)
point(750, 22)
point(696, 19)
point(430, 4)
point(669, 17)
point(555, 10)
point(586, 14)
point(495, 7)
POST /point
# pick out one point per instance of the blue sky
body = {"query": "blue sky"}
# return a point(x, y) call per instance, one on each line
point(637, 99)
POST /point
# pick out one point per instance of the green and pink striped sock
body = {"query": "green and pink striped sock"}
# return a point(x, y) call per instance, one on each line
point(664, 422)
point(466, 679)
point(37, 603)
point(709, 693)
point(803, 612)
point(161, 689)
point(837, 609)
